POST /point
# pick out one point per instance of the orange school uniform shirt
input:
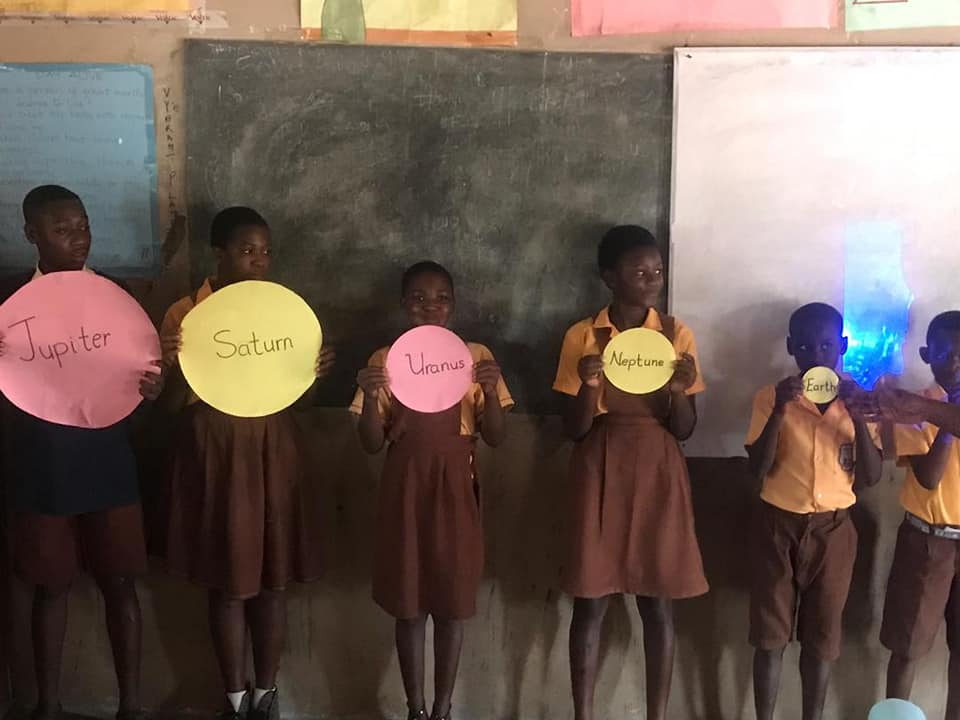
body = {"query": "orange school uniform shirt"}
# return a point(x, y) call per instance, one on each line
point(940, 506)
point(178, 311)
point(813, 469)
point(581, 340)
point(471, 407)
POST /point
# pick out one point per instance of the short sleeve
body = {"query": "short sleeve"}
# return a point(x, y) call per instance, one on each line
point(568, 378)
point(762, 410)
point(378, 359)
point(913, 439)
point(174, 316)
point(685, 342)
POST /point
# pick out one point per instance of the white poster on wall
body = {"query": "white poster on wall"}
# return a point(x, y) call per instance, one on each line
point(805, 175)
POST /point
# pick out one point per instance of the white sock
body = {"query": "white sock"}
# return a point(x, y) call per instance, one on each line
point(236, 699)
point(259, 694)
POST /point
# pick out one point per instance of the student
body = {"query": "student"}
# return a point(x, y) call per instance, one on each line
point(73, 496)
point(429, 540)
point(237, 519)
point(810, 459)
point(631, 523)
point(922, 590)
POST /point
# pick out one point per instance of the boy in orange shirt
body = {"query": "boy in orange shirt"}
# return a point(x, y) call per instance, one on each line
point(923, 588)
point(809, 458)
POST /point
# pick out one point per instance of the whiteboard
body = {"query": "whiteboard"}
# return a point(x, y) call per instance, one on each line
point(806, 175)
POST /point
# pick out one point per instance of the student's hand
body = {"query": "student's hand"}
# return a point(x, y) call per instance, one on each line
point(325, 362)
point(590, 368)
point(684, 373)
point(486, 374)
point(860, 403)
point(788, 390)
point(170, 346)
point(151, 383)
point(372, 379)
point(900, 406)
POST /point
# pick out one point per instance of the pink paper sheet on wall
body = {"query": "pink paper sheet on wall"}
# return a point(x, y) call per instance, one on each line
point(625, 17)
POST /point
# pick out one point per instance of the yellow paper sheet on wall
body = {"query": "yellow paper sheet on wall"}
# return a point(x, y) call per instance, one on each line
point(95, 7)
point(469, 22)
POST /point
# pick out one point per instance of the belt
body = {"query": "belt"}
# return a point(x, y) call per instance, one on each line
point(947, 532)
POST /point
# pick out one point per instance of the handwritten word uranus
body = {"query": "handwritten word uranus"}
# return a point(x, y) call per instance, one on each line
point(58, 349)
point(249, 348)
point(433, 368)
point(636, 362)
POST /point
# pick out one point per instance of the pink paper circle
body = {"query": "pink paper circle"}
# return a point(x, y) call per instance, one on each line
point(75, 348)
point(430, 369)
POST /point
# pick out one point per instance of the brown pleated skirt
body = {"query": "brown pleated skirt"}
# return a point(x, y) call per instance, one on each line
point(236, 516)
point(429, 545)
point(631, 527)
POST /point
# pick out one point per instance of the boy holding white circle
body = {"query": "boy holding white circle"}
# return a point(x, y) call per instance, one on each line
point(429, 541)
point(74, 499)
point(627, 433)
point(237, 520)
point(811, 454)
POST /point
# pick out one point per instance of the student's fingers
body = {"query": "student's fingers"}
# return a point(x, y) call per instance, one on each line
point(325, 361)
point(486, 372)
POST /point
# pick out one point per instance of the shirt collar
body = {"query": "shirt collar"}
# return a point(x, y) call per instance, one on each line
point(205, 290)
point(38, 273)
point(602, 320)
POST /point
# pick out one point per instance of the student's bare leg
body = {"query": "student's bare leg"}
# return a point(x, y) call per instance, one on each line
point(267, 613)
point(411, 637)
point(814, 678)
point(953, 688)
point(767, 665)
point(125, 628)
point(658, 647)
point(228, 628)
point(900, 674)
point(447, 642)
point(49, 627)
point(588, 614)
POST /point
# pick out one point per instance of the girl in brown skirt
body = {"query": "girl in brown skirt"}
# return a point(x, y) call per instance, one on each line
point(630, 513)
point(237, 521)
point(429, 542)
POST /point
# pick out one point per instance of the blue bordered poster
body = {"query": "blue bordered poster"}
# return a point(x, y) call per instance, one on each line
point(88, 127)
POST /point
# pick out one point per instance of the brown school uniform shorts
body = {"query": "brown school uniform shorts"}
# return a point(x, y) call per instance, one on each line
point(802, 567)
point(51, 550)
point(921, 593)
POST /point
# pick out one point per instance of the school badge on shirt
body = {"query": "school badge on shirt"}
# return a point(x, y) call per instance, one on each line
point(846, 457)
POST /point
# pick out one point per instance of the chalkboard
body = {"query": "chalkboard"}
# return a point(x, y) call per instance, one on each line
point(90, 128)
point(505, 166)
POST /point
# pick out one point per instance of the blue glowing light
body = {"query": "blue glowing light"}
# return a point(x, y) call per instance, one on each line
point(876, 301)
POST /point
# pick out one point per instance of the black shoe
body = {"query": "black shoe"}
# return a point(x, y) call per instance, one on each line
point(39, 714)
point(240, 714)
point(267, 709)
point(420, 714)
point(445, 716)
point(131, 715)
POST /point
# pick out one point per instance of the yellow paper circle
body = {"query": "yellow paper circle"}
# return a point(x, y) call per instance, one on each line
point(820, 385)
point(639, 361)
point(251, 348)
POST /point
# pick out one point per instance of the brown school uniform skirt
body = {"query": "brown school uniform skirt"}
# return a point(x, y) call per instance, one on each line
point(802, 566)
point(429, 544)
point(631, 521)
point(237, 519)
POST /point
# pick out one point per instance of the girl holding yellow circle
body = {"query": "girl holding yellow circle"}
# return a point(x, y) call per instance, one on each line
point(237, 520)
